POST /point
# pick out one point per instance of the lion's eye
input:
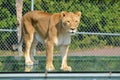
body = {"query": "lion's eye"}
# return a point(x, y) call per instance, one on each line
point(68, 22)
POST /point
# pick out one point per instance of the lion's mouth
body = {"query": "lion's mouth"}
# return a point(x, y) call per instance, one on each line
point(72, 32)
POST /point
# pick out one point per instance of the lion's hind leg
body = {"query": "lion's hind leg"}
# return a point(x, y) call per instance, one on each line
point(28, 43)
point(28, 35)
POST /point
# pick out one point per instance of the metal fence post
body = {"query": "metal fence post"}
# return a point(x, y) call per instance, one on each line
point(32, 5)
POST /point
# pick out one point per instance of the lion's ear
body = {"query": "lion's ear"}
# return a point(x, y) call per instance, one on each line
point(78, 13)
point(63, 13)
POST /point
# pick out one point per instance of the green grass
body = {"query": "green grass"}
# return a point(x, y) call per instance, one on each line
point(78, 64)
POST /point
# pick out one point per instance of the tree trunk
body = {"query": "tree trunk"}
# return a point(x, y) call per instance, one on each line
point(19, 5)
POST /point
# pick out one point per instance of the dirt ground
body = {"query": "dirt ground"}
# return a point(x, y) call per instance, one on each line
point(108, 51)
point(98, 52)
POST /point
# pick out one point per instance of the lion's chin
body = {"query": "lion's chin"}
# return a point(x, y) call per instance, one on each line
point(72, 33)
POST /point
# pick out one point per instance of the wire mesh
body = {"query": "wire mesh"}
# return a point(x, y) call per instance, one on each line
point(98, 18)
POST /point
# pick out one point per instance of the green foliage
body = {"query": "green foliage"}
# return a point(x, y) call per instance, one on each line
point(78, 64)
point(7, 19)
point(7, 16)
point(97, 16)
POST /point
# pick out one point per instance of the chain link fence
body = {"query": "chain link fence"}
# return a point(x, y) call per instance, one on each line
point(96, 47)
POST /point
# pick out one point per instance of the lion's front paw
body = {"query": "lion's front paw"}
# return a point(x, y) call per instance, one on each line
point(50, 68)
point(66, 68)
point(28, 68)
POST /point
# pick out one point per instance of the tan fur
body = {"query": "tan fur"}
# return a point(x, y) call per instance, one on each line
point(52, 30)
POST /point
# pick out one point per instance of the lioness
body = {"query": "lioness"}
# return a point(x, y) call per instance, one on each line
point(51, 30)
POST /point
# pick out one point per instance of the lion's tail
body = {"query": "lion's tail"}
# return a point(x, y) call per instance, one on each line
point(16, 46)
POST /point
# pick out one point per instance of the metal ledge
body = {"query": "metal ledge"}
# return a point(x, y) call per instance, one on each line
point(68, 75)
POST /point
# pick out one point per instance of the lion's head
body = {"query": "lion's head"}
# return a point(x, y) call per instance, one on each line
point(70, 21)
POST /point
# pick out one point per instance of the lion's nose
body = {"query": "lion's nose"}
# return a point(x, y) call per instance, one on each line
point(72, 28)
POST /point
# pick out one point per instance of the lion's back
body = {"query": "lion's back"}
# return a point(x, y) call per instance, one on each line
point(36, 15)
